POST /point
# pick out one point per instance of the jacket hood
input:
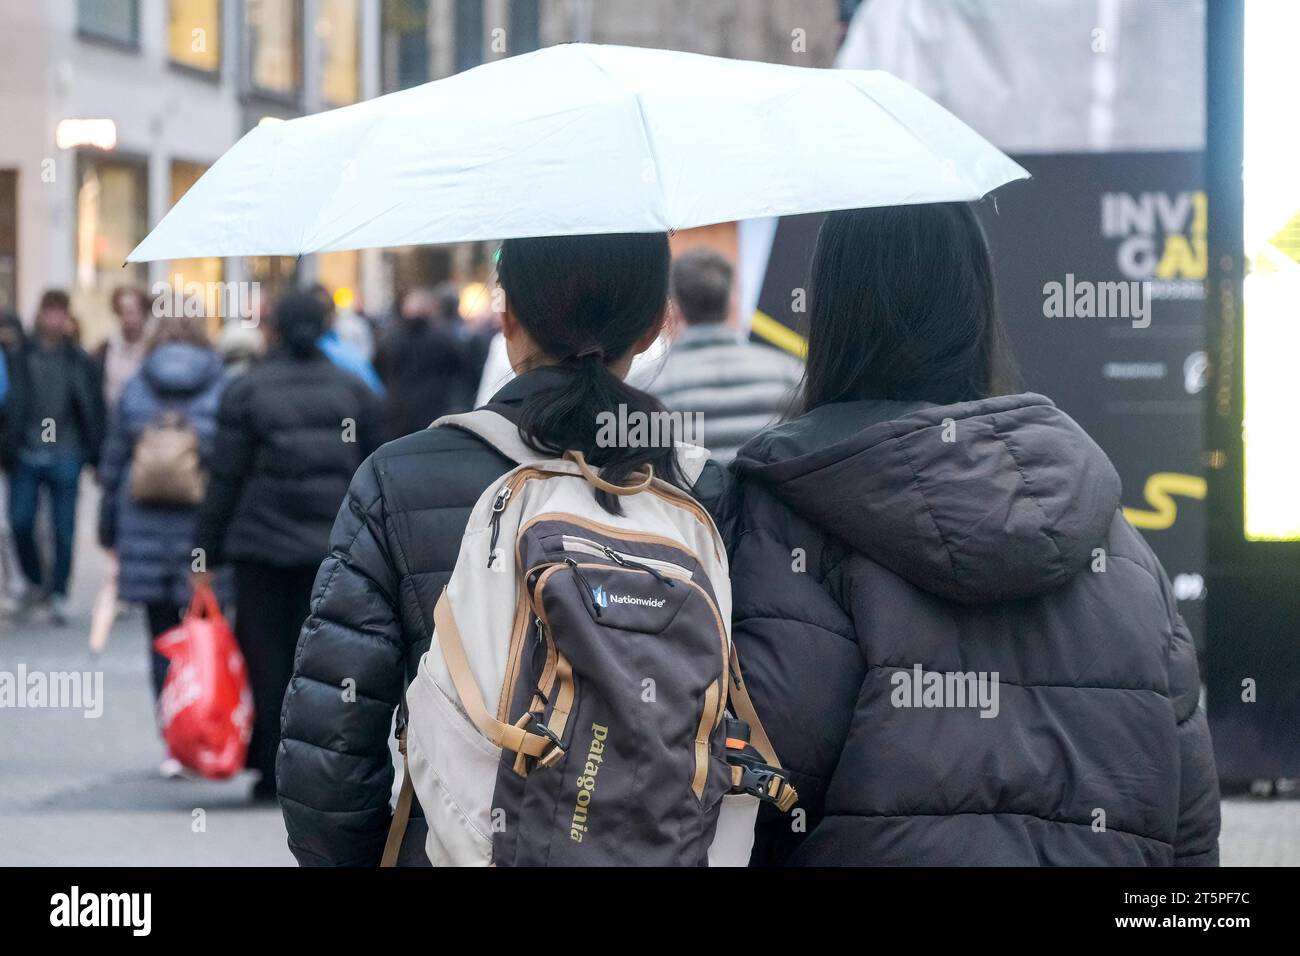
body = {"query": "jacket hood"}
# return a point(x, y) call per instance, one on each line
point(179, 368)
point(980, 502)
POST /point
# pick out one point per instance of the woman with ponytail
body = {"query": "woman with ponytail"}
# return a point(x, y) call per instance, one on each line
point(290, 434)
point(578, 309)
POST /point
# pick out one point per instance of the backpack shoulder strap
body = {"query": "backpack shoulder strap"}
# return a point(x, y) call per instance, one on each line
point(502, 434)
point(691, 459)
point(495, 429)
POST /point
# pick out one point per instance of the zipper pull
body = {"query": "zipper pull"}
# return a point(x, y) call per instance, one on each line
point(498, 506)
point(538, 646)
point(582, 579)
point(636, 565)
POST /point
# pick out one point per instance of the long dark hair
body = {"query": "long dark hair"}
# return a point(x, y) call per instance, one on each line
point(902, 308)
point(585, 301)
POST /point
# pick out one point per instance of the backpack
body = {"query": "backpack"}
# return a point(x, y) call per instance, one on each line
point(572, 707)
point(166, 467)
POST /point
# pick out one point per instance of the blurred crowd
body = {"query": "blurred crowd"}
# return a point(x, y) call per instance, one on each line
point(215, 446)
point(222, 451)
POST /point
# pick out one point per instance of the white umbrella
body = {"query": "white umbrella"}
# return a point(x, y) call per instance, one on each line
point(579, 139)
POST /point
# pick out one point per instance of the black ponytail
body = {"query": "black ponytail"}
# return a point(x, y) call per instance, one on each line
point(300, 322)
point(585, 301)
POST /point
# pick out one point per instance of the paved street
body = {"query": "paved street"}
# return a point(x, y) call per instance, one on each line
point(86, 792)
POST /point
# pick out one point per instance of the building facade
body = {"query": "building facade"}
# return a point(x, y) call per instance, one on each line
point(113, 108)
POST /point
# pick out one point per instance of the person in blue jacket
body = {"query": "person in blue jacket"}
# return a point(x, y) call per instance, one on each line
point(183, 376)
point(343, 354)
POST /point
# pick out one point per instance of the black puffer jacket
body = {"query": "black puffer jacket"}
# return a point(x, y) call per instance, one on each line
point(873, 538)
point(391, 553)
point(290, 433)
point(85, 402)
point(427, 371)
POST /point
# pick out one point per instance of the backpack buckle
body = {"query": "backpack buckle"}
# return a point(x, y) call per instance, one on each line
point(751, 774)
point(535, 726)
point(769, 784)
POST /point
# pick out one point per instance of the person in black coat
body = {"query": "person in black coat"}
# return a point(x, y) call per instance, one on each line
point(290, 434)
point(181, 375)
point(424, 362)
point(51, 428)
point(398, 534)
point(960, 647)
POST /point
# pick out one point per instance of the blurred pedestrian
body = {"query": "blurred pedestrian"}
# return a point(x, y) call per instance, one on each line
point(291, 432)
point(53, 427)
point(960, 554)
point(122, 353)
point(423, 362)
point(341, 352)
point(352, 326)
point(12, 339)
point(156, 459)
point(239, 346)
point(738, 387)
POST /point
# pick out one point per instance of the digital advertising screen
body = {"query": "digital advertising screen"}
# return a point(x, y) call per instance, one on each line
point(1271, 286)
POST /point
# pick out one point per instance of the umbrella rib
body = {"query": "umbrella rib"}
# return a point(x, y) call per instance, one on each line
point(910, 132)
point(654, 157)
point(645, 135)
point(357, 228)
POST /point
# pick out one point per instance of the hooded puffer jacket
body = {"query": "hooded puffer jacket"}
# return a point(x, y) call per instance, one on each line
point(883, 549)
point(154, 542)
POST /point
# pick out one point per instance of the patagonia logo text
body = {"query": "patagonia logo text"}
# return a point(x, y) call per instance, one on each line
point(587, 782)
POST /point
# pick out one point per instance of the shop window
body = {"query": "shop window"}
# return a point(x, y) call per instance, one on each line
point(340, 274)
point(525, 26)
point(404, 53)
point(205, 274)
point(469, 34)
point(117, 21)
point(274, 37)
point(338, 31)
point(111, 220)
point(194, 34)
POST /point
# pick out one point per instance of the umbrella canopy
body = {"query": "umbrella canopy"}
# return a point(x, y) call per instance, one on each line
point(577, 139)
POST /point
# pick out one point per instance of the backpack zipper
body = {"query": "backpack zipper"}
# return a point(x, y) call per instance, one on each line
point(623, 534)
point(626, 563)
point(582, 579)
point(503, 497)
point(498, 506)
point(539, 643)
point(666, 570)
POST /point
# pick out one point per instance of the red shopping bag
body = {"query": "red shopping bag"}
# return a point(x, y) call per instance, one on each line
point(206, 707)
